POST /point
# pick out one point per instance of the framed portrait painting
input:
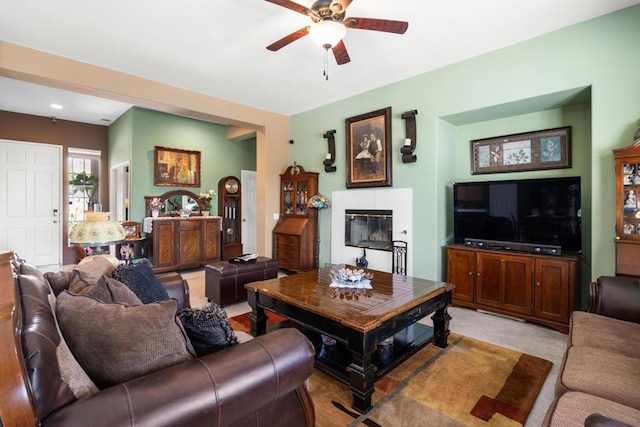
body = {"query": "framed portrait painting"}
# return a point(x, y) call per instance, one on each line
point(369, 149)
point(174, 167)
point(541, 149)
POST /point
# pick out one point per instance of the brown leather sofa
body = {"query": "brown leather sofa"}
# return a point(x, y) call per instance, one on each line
point(599, 380)
point(257, 383)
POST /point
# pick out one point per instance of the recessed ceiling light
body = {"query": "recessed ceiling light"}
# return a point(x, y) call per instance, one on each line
point(56, 106)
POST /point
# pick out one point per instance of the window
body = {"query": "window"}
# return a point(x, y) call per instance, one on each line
point(83, 179)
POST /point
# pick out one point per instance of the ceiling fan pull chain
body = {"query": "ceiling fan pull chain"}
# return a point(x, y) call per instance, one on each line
point(326, 63)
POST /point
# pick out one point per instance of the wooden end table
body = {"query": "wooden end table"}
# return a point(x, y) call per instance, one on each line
point(358, 321)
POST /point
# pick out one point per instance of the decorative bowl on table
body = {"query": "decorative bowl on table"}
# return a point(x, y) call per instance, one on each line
point(350, 278)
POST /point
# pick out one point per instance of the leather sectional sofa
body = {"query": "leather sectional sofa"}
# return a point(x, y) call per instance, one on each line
point(599, 380)
point(257, 383)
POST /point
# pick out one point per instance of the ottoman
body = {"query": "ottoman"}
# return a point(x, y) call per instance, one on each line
point(224, 281)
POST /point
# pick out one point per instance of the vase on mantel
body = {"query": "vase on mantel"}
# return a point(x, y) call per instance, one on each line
point(205, 213)
point(155, 213)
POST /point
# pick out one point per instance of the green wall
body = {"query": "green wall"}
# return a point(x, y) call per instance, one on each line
point(135, 134)
point(121, 139)
point(584, 76)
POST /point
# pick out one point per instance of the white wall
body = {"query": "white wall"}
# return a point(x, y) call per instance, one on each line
point(400, 200)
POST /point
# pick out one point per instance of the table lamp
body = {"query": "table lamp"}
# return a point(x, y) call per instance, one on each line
point(97, 231)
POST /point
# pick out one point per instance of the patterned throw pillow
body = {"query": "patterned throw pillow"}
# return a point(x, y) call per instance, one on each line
point(115, 343)
point(142, 280)
point(208, 329)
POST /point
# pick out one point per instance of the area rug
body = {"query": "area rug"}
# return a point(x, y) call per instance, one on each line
point(470, 383)
point(241, 321)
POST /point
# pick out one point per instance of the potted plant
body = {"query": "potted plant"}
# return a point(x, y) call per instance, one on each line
point(87, 184)
point(205, 200)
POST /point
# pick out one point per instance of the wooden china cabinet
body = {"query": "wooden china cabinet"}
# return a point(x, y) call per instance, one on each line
point(295, 235)
point(628, 210)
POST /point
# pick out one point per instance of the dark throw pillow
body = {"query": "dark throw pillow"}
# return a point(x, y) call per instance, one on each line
point(208, 328)
point(115, 343)
point(142, 280)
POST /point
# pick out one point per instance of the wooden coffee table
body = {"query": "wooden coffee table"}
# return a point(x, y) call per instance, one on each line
point(358, 320)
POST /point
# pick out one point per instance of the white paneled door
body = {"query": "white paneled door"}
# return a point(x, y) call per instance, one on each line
point(249, 217)
point(30, 190)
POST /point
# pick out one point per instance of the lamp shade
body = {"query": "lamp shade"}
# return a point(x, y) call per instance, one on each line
point(97, 230)
point(327, 33)
point(319, 202)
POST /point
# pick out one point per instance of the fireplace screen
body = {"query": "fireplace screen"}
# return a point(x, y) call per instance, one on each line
point(365, 228)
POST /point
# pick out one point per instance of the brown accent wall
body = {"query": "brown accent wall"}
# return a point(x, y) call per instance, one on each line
point(28, 128)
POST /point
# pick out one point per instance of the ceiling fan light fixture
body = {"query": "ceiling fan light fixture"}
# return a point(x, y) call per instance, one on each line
point(327, 33)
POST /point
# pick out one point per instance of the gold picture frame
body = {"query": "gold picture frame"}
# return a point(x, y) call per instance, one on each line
point(537, 150)
point(369, 149)
point(175, 167)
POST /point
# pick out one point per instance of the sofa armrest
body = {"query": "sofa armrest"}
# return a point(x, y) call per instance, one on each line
point(218, 389)
point(617, 297)
point(176, 287)
point(597, 420)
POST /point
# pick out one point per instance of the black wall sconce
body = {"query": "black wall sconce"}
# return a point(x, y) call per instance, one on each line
point(331, 155)
point(410, 140)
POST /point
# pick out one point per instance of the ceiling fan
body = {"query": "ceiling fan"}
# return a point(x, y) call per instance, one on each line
point(330, 25)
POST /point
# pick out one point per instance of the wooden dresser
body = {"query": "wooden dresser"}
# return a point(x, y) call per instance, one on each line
point(183, 243)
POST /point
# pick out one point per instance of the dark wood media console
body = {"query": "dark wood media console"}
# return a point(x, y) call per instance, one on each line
point(537, 288)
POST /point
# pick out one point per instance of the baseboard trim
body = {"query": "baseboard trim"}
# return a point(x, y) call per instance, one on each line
point(501, 315)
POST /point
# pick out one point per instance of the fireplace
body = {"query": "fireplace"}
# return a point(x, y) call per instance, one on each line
point(368, 228)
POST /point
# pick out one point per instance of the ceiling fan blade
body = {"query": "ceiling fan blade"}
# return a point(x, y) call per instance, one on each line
point(292, 5)
point(386, 25)
point(288, 39)
point(340, 52)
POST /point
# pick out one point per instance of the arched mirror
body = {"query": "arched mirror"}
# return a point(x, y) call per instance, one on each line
point(174, 201)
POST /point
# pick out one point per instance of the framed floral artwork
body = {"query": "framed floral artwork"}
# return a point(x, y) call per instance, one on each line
point(369, 149)
point(175, 167)
point(542, 149)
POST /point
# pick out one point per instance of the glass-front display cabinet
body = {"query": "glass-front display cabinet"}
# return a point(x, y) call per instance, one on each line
point(628, 210)
point(295, 235)
point(295, 194)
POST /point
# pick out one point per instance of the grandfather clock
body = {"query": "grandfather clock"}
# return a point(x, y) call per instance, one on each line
point(230, 210)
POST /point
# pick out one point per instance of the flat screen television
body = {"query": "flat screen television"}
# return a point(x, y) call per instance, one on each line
point(529, 212)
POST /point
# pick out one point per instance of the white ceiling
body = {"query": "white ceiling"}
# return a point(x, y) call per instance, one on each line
point(218, 48)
